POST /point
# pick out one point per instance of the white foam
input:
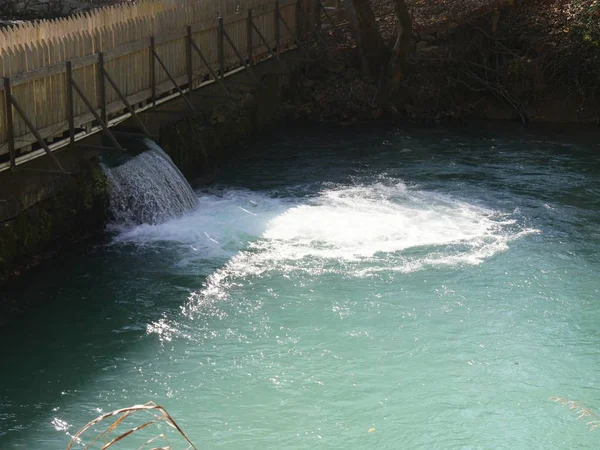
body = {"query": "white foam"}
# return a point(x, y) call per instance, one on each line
point(354, 231)
point(221, 225)
point(354, 223)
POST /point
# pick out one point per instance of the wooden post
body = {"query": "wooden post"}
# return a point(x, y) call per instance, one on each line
point(10, 130)
point(277, 34)
point(152, 71)
point(101, 88)
point(188, 55)
point(70, 113)
point(35, 132)
point(249, 37)
point(220, 48)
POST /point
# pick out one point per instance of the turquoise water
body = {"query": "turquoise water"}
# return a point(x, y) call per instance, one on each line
point(368, 289)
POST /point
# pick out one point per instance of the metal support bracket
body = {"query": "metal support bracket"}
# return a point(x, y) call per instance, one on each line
point(242, 60)
point(70, 113)
point(262, 38)
point(162, 64)
point(9, 123)
point(249, 43)
point(152, 71)
point(221, 47)
point(313, 26)
point(89, 106)
point(102, 88)
point(298, 43)
point(333, 26)
point(277, 33)
point(124, 100)
point(205, 62)
point(13, 103)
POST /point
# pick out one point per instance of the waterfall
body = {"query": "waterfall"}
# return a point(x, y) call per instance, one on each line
point(148, 188)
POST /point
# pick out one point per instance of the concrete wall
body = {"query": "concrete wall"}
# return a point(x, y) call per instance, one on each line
point(39, 211)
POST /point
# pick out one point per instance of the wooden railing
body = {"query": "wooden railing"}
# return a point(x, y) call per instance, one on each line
point(62, 80)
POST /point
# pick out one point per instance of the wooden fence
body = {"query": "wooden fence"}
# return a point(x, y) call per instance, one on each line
point(62, 80)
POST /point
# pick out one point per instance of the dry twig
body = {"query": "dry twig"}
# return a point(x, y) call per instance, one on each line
point(581, 411)
point(110, 436)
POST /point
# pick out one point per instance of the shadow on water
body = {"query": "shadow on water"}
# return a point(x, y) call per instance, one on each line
point(77, 311)
point(89, 312)
point(94, 308)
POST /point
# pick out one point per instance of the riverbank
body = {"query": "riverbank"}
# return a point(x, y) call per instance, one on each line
point(532, 61)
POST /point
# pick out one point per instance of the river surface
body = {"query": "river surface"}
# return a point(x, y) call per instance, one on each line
point(385, 289)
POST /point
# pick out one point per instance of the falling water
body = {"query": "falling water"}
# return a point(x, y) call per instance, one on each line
point(148, 188)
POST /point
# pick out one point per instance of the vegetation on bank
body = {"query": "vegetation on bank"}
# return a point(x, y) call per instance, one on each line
point(529, 60)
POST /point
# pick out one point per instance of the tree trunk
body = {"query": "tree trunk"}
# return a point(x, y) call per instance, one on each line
point(374, 54)
point(402, 45)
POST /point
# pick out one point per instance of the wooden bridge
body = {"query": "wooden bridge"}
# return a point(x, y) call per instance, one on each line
point(66, 79)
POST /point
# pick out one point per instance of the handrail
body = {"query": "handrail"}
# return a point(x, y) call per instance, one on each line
point(38, 72)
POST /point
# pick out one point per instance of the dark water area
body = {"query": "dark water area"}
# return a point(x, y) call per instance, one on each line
point(335, 289)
